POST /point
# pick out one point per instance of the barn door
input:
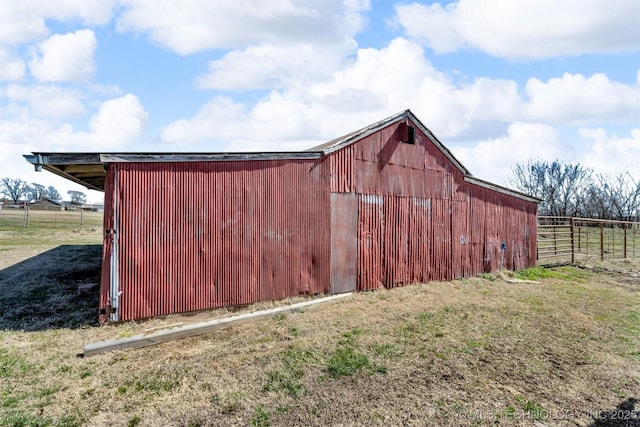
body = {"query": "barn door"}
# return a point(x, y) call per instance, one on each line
point(344, 242)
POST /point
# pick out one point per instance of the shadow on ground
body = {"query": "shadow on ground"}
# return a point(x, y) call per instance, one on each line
point(41, 292)
point(624, 415)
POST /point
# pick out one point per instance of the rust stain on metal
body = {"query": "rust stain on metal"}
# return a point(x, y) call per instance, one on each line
point(389, 209)
point(201, 235)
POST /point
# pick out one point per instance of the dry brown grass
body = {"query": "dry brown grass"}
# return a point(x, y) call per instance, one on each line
point(467, 352)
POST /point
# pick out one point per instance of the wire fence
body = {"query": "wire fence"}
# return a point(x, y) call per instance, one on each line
point(570, 240)
point(30, 218)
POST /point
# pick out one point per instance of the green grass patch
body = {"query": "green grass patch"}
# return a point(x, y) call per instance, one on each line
point(19, 418)
point(534, 410)
point(23, 419)
point(13, 366)
point(10, 398)
point(488, 276)
point(347, 361)
point(134, 421)
point(289, 378)
point(150, 384)
point(288, 381)
point(571, 274)
point(261, 417)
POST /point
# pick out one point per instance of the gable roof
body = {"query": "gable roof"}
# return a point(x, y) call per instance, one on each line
point(355, 136)
point(89, 169)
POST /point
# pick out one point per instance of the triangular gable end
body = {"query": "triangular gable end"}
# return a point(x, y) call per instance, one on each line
point(409, 118)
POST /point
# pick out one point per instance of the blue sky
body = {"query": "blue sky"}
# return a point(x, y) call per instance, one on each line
point(498, 81)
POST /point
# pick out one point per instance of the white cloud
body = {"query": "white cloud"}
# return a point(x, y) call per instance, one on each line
point(492, 159)
point(65, 57)
point(188, 27)
point(217, 120)
point(513, 123)
point(398, 76)
point(431, 24)
point(610, 154)
point(526, 28)
point(25, 21)
point(377, 83)
point(576, 98)
point(45, 101)
point(118, 123)
point(274, 66)
point(11, 66)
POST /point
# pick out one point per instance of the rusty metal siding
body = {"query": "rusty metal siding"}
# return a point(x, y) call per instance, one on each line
point(342, 170)
point(199, 235)
point(370, 250)
point(461, 239)
point(441, 256)
point(420, 239)
point(499, 218)
point(344, 242)
point(376, 213)
point(386, 166)
point(419, 220)
point(394, 235)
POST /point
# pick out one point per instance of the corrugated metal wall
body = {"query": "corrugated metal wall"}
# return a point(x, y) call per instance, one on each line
point(200, 235)
point(418, 220)
point(376, 213)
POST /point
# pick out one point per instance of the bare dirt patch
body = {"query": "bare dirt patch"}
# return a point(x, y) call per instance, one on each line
point(476, 351)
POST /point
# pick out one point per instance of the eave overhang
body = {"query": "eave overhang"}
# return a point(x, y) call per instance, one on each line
point(89, 169)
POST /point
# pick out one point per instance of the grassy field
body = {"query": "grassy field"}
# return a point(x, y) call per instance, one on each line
point(477, 351)
point(43, 220)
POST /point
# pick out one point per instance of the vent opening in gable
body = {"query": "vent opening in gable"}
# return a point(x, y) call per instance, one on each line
point(411, 136)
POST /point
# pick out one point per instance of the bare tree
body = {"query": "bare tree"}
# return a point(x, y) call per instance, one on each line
point(617, 199)
point(568, 189)
point(52, 194)
point(563, 187)
point(36, 192)
point(77, 197)
point(13, 188)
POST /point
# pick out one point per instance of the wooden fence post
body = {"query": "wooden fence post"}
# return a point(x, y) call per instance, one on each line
point(573, 246)
point(601, 241)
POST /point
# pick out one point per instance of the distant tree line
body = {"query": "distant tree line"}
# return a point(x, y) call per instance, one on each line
point(18, 190)
point(571, 189)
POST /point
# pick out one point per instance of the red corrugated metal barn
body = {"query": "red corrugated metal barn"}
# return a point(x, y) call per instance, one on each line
point(384, 206)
